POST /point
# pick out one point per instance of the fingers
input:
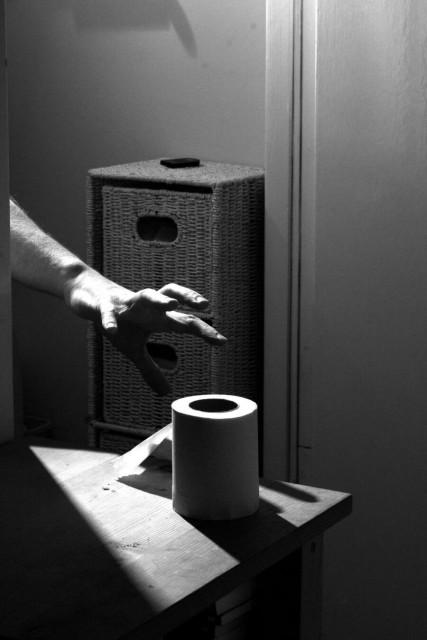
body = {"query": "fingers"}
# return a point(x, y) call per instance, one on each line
point(185, 296)
point(129, 321)
point(187, 323)
point(157, 298)
point(152, 374)
point(132, 342)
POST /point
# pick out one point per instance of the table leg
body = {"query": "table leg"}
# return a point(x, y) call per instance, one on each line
point(311, 589)
point(289, 596)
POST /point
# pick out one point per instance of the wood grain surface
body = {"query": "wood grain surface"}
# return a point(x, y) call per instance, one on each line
point(93, 555)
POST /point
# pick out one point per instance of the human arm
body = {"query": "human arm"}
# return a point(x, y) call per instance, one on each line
point(126, 318)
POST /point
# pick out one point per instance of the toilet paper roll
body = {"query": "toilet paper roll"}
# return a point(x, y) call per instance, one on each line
point(215, 457)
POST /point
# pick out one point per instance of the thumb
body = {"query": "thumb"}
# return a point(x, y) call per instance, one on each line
point(108, 319)
point(152, 374)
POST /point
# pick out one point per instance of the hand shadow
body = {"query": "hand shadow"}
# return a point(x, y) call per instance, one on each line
point(155, 477)
point(134, 15)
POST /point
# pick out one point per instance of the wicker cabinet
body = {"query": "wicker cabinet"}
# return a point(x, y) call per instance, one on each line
point(202, 228)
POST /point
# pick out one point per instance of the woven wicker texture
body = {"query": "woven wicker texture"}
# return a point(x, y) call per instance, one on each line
point(152, 263)
point(209, 174)
point(218, 250)
point(117, 442)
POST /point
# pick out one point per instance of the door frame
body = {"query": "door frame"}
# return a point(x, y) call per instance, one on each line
point(6, 369)
point(290, 166)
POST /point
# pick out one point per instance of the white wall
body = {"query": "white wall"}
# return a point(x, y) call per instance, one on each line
point(363, 384)
point(100, 82)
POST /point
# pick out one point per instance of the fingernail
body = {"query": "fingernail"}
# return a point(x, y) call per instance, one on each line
point(200, 299)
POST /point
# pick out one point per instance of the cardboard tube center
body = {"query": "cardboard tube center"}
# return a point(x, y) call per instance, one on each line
point(213, 405)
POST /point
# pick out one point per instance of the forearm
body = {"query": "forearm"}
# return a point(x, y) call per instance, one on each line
point(127, 318)
point(38, 260)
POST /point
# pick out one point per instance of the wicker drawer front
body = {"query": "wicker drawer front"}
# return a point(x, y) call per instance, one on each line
point(128, 402)
point(197, 369)
point(201, 228)
point(108, 440)
point(138, 263)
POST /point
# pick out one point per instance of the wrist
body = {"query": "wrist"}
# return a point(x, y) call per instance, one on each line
point(70, 271)
point(86, 291)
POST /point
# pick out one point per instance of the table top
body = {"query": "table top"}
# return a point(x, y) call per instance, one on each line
point(87, 554)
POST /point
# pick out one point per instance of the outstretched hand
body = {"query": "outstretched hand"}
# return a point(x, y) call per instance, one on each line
point(128, 319)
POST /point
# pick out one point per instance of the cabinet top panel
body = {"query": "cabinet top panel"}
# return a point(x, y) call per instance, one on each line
point(208, 174)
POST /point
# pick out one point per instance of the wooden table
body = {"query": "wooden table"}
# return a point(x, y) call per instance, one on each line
point(87, 555)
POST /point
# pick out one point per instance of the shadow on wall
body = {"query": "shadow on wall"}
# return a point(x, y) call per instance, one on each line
point(127, 15)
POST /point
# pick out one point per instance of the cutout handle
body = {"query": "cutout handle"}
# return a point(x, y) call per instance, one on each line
point(163, 355)
point(157, 229)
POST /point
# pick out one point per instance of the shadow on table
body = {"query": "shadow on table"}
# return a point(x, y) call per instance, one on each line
point(291, 490)
point(155, 477)
point(243, 536)
point(59, 579)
